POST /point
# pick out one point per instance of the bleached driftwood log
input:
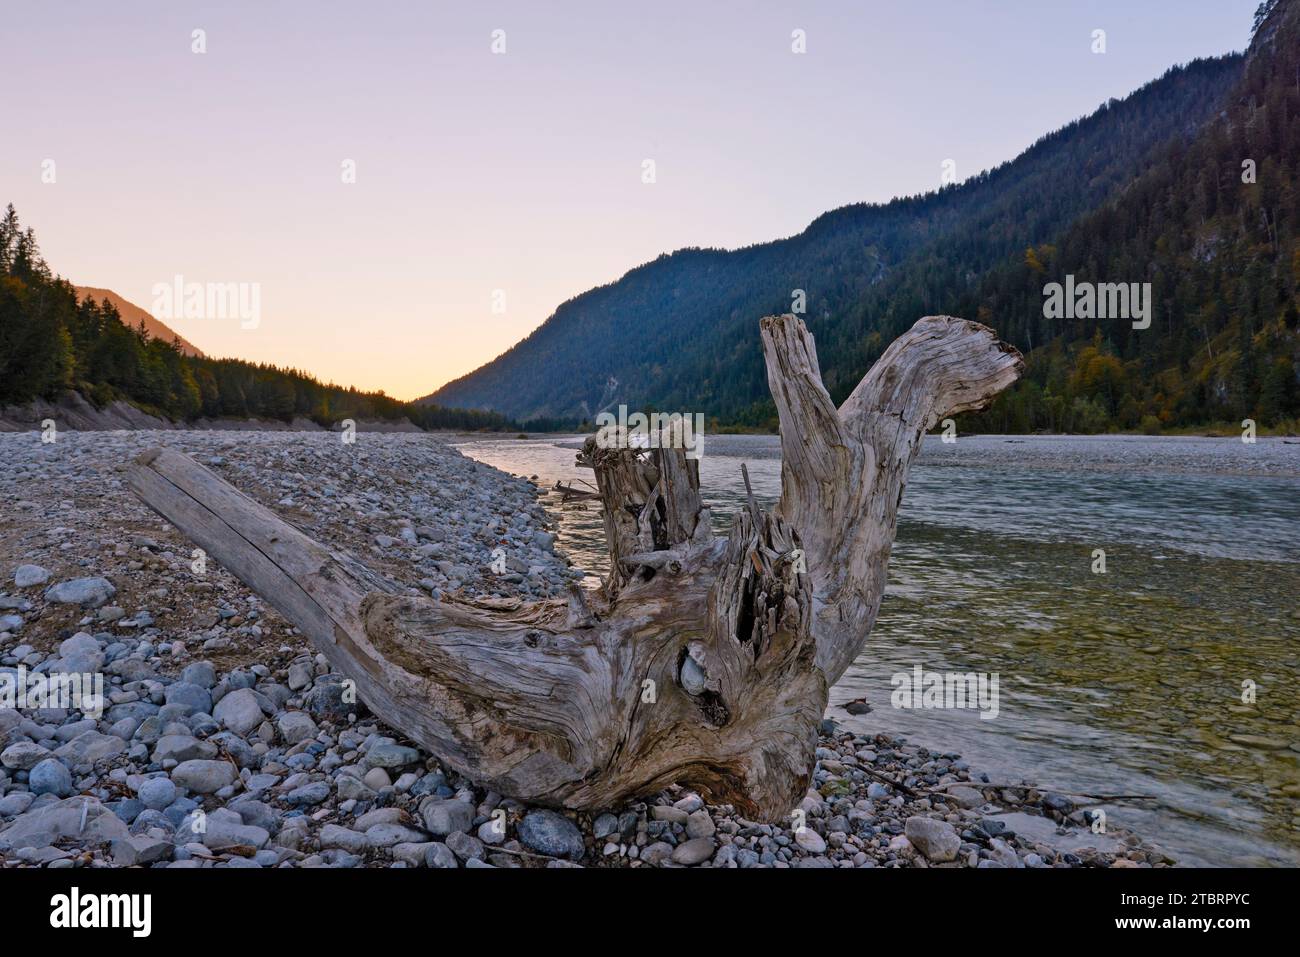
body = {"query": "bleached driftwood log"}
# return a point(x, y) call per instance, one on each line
point(703, 661)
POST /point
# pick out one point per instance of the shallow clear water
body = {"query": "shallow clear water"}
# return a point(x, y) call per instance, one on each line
point(1127, 682)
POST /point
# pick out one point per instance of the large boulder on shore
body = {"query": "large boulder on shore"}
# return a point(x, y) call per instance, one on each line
point(552, 834)
point(86, 592)
point(204, 777)
point(937, 840)
point(29, 576)
point(42, 827)
point(240, 711)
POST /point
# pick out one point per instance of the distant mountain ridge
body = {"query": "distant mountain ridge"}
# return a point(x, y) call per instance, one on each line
point(132, 315)
point(680, 332)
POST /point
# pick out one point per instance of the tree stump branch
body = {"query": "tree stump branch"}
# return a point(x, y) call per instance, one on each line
point(702, 661)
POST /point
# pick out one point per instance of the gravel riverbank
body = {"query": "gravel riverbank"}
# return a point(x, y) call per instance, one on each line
point(225, 742)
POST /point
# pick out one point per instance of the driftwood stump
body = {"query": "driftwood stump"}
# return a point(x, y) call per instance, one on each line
point(702, 661)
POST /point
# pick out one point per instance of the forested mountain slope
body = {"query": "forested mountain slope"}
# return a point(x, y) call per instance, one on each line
point(681, 332)
point(132, 315)
point(54, 341)
point(1213, 227)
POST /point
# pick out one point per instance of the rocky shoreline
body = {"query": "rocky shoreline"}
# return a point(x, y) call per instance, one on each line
point(73, 411)
point(225, 741)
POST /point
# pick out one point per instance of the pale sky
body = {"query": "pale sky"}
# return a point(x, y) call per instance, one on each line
point(520, 171)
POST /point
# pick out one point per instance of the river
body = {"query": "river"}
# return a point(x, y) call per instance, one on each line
point(1132, 681)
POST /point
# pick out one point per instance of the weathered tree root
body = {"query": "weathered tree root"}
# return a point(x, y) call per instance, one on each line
point(702, 661)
